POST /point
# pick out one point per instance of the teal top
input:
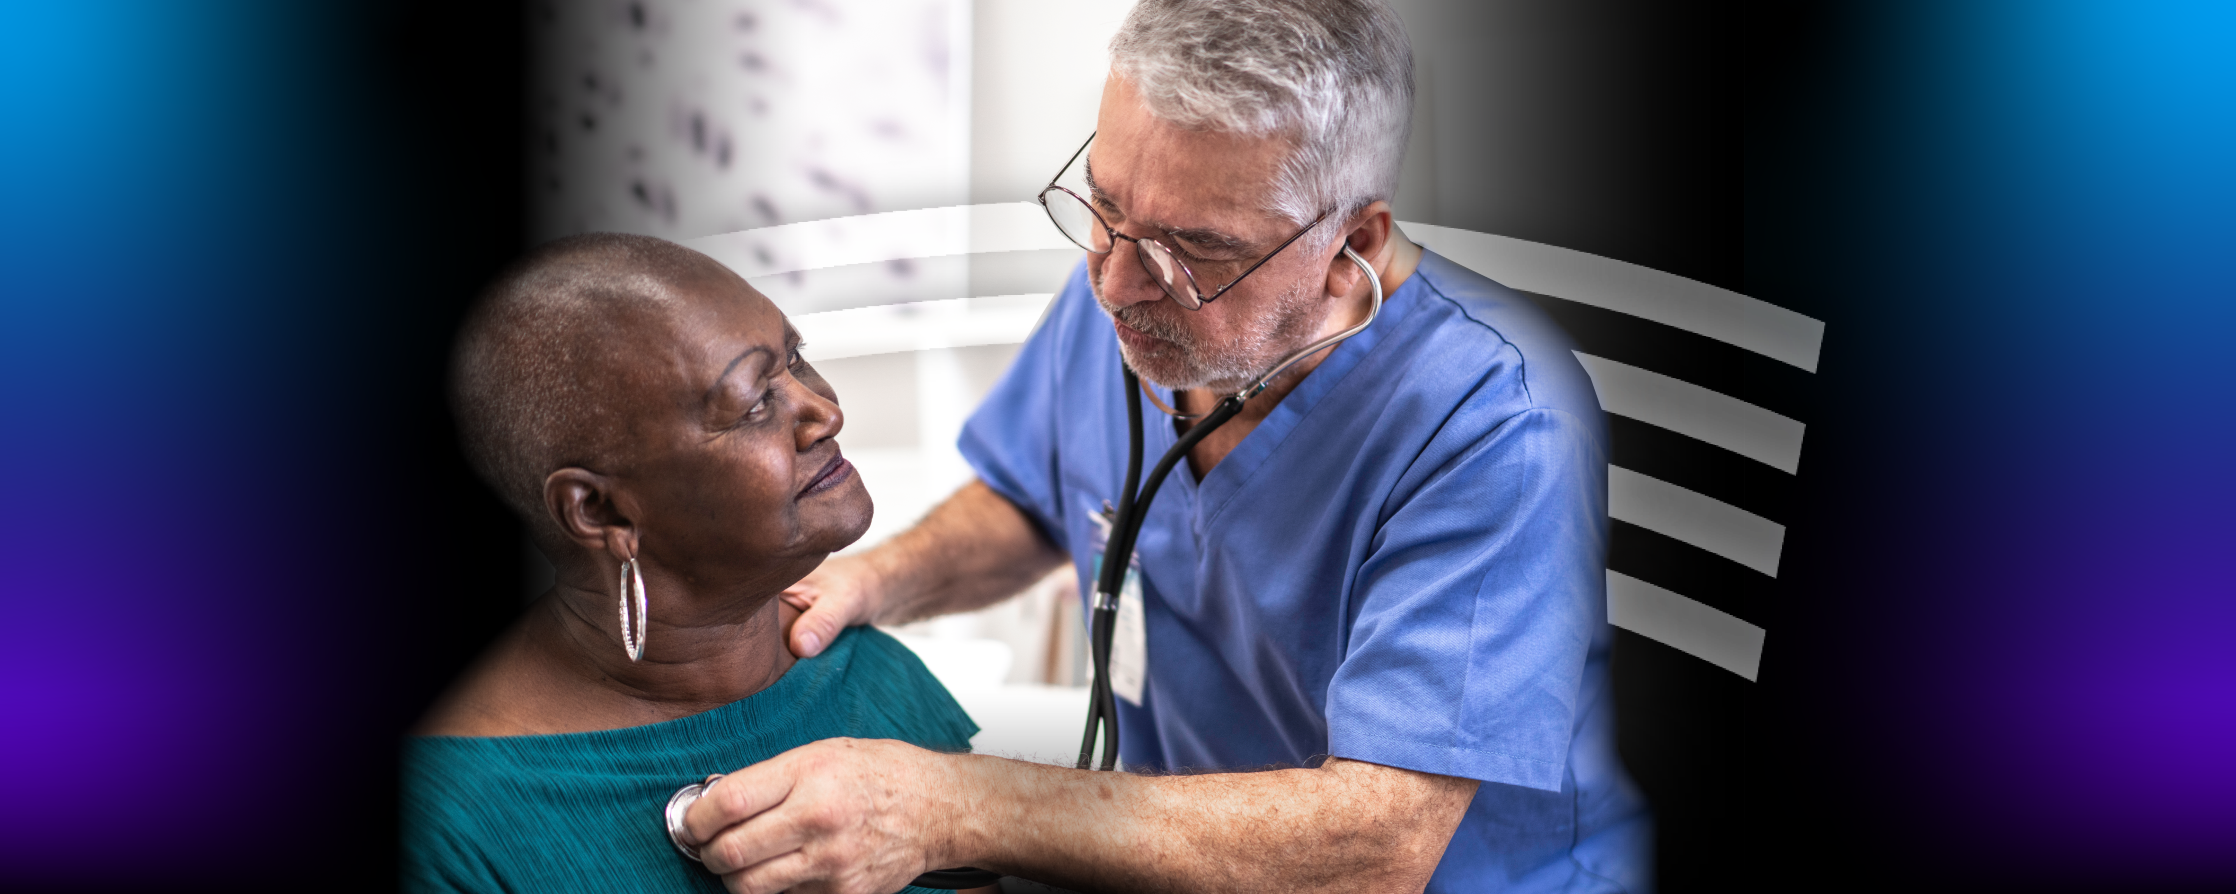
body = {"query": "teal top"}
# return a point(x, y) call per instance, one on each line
point(582, 811)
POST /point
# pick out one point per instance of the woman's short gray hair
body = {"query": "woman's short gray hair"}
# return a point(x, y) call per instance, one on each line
point(1333, 77)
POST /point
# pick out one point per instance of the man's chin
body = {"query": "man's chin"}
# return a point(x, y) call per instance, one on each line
point(1163, 368)
point(1168, 365)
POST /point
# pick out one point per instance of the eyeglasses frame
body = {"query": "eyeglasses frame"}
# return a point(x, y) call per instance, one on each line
point(1139, 256)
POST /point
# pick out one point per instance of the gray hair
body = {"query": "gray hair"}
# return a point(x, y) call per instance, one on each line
point(1333, 77)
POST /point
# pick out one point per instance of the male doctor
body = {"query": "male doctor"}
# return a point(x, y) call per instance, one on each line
point(1375, 647)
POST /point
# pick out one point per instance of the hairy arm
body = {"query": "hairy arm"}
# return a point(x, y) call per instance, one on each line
point(1346, 825)
point(861, 816)
point(972, 550)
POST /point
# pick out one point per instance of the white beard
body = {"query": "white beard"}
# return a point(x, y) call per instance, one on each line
point(1228, 365)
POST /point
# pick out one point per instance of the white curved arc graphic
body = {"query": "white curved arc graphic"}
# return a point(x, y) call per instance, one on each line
point(1696, 412)
point(920, 326)
point(1642, 292)
point(1694, 518)
point(878, 238)
point(1683, 623)
point(983, 232)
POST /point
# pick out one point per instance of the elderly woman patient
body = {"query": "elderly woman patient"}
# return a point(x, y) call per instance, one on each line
point(649, 417)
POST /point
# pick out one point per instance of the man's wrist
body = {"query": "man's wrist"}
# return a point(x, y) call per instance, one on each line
point(887, 587)
point(983, 819)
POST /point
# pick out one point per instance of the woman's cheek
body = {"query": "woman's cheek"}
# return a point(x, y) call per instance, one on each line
point(737, 488)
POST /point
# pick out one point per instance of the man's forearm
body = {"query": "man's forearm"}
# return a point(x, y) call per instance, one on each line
point(1346, 825)
point(972, 550)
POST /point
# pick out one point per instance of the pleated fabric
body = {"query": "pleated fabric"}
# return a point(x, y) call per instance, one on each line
point(582, 811)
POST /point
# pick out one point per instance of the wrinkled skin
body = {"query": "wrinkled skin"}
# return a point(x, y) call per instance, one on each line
point(727, 485)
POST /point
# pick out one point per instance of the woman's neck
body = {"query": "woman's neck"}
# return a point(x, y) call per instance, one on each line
point(693, 663)
point(562, 669)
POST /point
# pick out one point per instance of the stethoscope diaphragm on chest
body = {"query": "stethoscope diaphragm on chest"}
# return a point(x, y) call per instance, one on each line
point(679, 804)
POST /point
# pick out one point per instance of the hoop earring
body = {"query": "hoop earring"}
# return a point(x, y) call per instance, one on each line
point(632, 590)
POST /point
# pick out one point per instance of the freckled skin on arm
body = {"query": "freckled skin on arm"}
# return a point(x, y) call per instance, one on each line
point(849, 815)
point(971, 551)
point(1346, 825)
point(859, 817)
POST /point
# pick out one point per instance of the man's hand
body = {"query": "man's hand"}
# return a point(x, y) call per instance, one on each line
point(971, 551)
point(843, 816)
point(859, 816)
point(843, 592)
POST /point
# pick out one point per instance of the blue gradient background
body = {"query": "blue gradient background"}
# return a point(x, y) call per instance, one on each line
point(161, 215)
point(2016, 665)
point(2086, 159)
point(2087, 155)
point(217, 239)
point(2015, 615)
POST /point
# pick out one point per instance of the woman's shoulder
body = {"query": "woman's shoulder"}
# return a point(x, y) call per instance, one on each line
point(894, 694)
point(491, 698)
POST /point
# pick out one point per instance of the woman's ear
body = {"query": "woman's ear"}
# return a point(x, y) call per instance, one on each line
point(1369, 235)
point(583, 503)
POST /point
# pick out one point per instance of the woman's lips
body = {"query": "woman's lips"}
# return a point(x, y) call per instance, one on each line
point(834, 473)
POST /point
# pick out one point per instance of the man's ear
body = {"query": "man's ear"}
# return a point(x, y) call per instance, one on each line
point(584, 504)
point(1369, 235)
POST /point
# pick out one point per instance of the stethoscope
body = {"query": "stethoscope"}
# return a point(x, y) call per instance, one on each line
point(1125, 525)
point(1132, 508)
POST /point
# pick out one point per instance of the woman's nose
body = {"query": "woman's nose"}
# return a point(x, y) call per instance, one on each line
point(819, 419)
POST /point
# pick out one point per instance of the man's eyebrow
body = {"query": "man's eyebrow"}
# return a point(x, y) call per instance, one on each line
point(1094, 191)
point(1208, 237)
point(1204, 236)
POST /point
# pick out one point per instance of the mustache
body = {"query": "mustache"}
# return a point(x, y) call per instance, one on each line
point(1150, 319)
point(1156, 319)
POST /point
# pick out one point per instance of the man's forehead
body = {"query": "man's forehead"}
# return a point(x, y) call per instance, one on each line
point(1174, 179)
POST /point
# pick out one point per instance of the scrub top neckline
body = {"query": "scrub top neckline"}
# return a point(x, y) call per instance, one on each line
point(1212, 492)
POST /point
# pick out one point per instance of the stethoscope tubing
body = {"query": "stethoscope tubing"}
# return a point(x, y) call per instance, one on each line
point(1133, 509)
point(1124, 530)
point(1125, 527)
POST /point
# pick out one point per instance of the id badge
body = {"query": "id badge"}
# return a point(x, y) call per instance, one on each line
point(1129, 642)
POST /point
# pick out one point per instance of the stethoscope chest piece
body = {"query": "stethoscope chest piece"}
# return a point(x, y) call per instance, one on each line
point(680, 804)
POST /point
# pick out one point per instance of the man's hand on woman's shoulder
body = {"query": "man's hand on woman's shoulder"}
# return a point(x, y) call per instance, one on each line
point(838, 594)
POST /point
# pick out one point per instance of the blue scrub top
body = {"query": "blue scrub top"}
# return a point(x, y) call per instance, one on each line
point(1403, 564)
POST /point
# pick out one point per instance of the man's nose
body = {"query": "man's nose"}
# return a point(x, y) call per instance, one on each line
point(1124, 282)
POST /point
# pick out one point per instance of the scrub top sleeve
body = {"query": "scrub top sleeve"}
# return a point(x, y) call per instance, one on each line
point(1477, 605)
point(1010, 440)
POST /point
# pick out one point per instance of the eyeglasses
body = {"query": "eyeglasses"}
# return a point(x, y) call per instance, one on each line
point(1085, 228)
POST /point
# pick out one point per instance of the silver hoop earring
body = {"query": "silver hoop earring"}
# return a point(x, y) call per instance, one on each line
point(632, 590)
